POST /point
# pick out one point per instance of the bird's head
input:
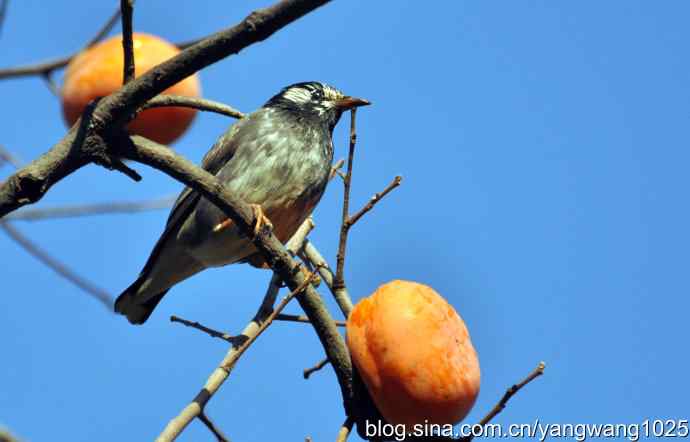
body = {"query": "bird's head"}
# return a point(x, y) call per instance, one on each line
point(315, 100)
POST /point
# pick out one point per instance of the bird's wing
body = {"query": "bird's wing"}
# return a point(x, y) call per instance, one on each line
point(221, 152)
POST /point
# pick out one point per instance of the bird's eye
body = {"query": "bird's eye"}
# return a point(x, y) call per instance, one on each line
point(317, 95)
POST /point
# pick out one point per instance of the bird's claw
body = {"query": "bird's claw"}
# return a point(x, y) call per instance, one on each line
point(260, 219)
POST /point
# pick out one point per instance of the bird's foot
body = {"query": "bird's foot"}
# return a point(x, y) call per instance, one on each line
point(260, 219)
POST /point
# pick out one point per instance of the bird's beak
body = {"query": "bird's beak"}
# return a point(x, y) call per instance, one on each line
point(346, 103)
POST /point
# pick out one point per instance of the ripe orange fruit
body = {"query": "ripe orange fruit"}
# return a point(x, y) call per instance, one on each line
point(97, 72)
point(414, 354)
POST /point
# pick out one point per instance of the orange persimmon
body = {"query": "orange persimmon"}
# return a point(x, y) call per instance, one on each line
point(98, 71)
point(414, 354)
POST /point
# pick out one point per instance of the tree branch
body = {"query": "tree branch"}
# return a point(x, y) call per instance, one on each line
point(311, 254)
point(209, 331)
point(127, 11)
point(511, 392)
point(345, 430)
point(301, 318)
point(3, 12)
point(196, 103)
point(46, 67)
point(10, 158)
point(84, 142)
point(31, 214)
point(43, 256)
point(213, 428)
point(339, 281)
point(280, 260)
point(373, 201)
point(319, 365)
point(252, 332)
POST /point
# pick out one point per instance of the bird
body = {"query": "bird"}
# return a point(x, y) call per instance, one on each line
point(277, 159)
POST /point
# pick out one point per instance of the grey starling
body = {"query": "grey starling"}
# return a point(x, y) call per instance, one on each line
point(278, 159)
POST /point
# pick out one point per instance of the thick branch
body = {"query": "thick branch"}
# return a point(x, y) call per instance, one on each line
point(280, 260)
point(31, 183)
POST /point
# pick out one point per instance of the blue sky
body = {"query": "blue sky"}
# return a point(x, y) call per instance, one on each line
point(544, 150)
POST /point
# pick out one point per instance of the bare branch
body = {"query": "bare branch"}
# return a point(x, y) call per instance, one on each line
point(45, 67)
point(82, 144)
point(255, 328)
point(302, 318)
point(511, 392)
point(274, 252)
point(209, 331)
point(339, 281)
point(107, 27)
point(10, 158)
point(345, 430)
point(311, 254)
point(127, 11)
point(319, 365)
point(373, 201)
point(196, 103)
point(50, 83)
point(43, 256)
point(335, 169)
point(213, 428)
point(3, 12)
point(31, 214)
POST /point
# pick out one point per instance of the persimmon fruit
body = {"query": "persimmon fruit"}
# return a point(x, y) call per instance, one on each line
point(98, 71)
point(414, 354)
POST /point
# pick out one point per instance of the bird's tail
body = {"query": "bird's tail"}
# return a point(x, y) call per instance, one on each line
point(130, 304)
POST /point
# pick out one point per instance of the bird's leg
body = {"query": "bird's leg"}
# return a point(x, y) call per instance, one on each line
point(260, 219)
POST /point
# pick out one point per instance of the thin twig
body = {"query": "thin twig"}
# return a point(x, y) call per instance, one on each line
point(127, 10)
point(37, 214)
point(43, 256)
point(345, 430)
point(511, 392)
point(251, 332)
point(3, 13)
point(506, 397)
point(10, 158)
point(209, 331)
point(196, 103)
point(309, 371)
point(213, 428)
point(50, 83)
point(373, 201)
point(335, 169)
point(339, 281)
point(105, 29)
point(311, 255)
point(302, 318)
point(41, 68)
